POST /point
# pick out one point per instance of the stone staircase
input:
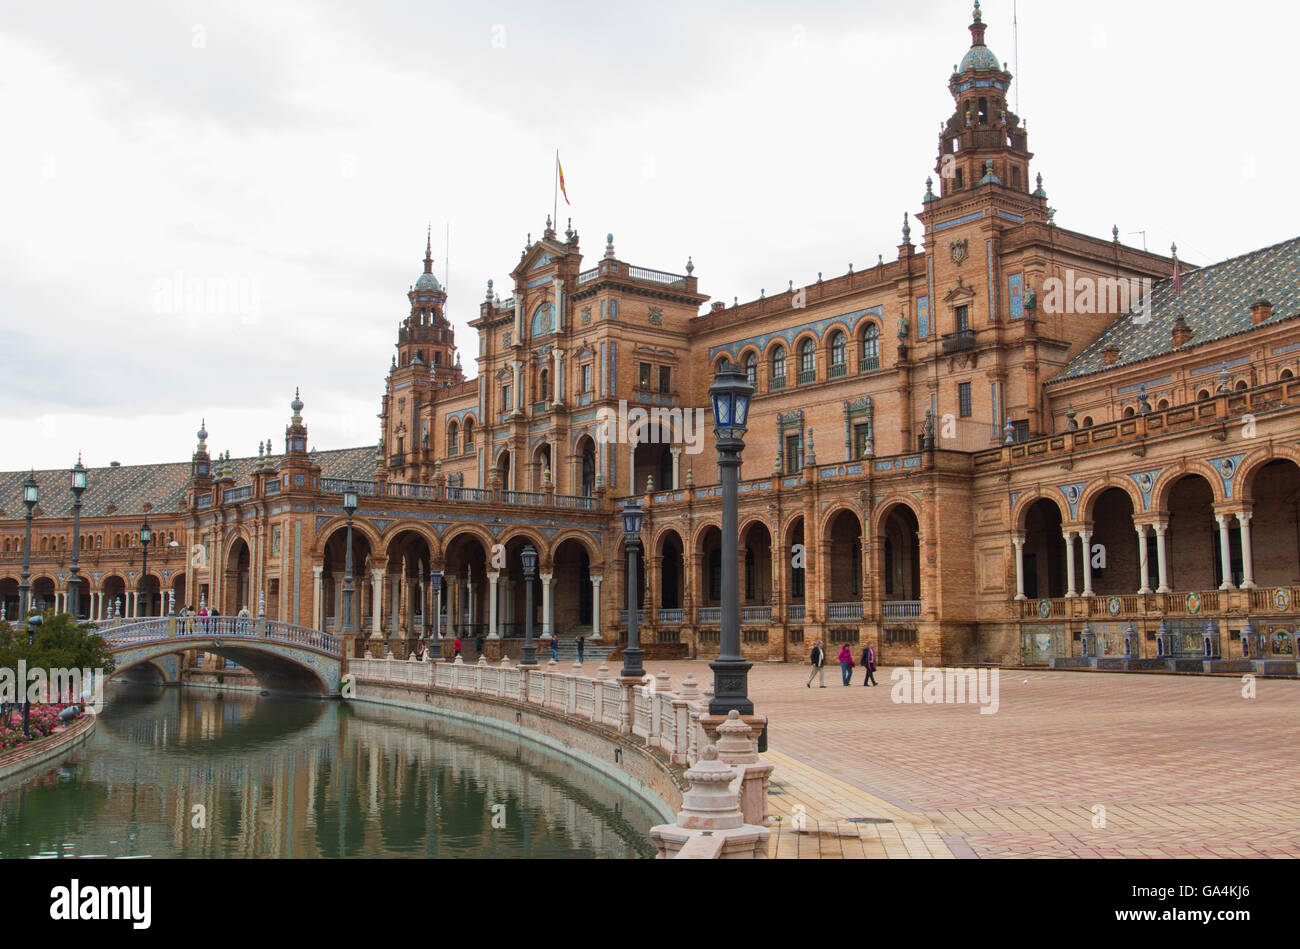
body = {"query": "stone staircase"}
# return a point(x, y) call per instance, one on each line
point(593, 653)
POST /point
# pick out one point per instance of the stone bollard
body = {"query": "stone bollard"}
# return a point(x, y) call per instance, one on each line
point(710, 825)
point(603, 671)
point(482, 661)
point(663, 682)
point(505, 662)
point(690, 688)
point(736, 747)
point(460, 661)
point(576, 669)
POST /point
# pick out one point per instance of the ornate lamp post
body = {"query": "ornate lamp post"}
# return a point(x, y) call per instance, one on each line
point(146, 535)
point(529, 557)
point(350, 508)
point(74, 582)
point(730, 394)
point(632, 518)
point(435, 586)
point(31, 494)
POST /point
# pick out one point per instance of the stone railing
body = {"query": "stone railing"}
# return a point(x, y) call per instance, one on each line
point(437, 492)
point(667, 720)
point(130, 632)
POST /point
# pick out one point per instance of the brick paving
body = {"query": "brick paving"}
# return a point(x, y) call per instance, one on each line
point(1183, 766)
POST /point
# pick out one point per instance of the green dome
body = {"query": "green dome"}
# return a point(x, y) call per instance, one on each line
point(428, 281)
point(980, 59)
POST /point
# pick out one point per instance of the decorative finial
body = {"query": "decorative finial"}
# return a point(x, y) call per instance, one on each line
point(609, 245)
point(428, 251)
point(1114, 233)
point(978, 17)
point(488, 297)
point(1070, 417)
point(907, 228)
point(1010, 432)
point(1144, 400)
point(690, 266)
point(1174, 250)
point(929, 190)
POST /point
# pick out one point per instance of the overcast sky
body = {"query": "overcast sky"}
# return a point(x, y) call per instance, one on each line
point(289, 156)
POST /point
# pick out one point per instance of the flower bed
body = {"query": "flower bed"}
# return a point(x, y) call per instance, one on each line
point(44, 721)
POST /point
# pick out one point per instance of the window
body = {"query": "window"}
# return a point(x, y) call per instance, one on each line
point(796, 583)
point(645, 375)
point(749, 574)
point(861, 438)
point(586, 377)
point(963, 399)
point(469, 434)
point(665, 379)
point(963, 319)
point(839, 355)
point(546, 385)
point(870, 348)
point(506, 404)
point(778, 368)
point(715, 575)
point(793, 452)
point(453, 438)
point(961, 179)
point(807, 363)
point(751, 369)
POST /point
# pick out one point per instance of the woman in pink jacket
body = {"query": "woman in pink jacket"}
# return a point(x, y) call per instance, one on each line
point(846, 664)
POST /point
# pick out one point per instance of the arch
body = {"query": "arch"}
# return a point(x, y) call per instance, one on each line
point(1253, 462)
point(572, 599)
point(1287, 374)
point(531, 536)
point(1168, 477)
point(1242, 385)
point(360, 525)
point(869, 346)
point(898, 563)
point(455, 533)
point(722, 360)
point(1111, 511)
point(1110, 482)
point(453, 438)
point(1044, 548)
point(670, 548)
point(839, 350)
point(593, 550)
point(1274, 491)
point(1027, 500)
point(707, 545)
point(749, 363)
point(1192, 540)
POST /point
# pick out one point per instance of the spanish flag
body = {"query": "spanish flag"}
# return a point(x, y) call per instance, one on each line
point(559, 171)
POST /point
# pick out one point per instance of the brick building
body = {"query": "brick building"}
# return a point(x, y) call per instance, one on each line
point(1010, 443)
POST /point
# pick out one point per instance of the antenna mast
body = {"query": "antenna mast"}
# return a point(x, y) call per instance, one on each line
point(446, 262)
point(1015, 32)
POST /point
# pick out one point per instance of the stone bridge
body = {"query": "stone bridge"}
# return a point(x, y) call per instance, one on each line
point(281, 656)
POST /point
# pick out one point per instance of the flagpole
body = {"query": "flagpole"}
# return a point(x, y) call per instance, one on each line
point(555, 211)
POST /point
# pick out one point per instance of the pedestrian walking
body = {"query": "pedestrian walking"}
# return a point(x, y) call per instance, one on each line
point(869, 664)
point(580, 650)
point(455, 646)
point(555, 649)
point(478, 644)
point(846, 664)
point(818, 660)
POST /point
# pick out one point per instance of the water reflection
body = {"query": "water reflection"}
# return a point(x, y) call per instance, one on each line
point(181, 773)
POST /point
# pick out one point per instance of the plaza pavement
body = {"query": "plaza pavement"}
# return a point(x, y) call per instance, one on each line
point(1183, 766)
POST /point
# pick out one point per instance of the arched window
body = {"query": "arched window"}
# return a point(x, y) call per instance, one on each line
point(469, 433)
point(1202, 395)
point(778, 368)
point(751, 369)
point(1243, 385)
point(453, 438)
point(588, 470)
point(870, 348)
point(807, 362)
point(1129, 412)
point(1087, 421)
point(839, 354)
point(1287, 374)
point(546, 385)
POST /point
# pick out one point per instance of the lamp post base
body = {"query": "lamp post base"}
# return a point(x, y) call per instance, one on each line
point(731, 687)
point(632, 666)
point(528, 655)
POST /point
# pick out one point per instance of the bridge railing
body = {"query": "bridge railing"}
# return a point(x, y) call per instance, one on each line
point(667, 720)
point(124, 633)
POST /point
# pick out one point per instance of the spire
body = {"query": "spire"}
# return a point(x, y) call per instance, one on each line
point(977, 27)
point(907, 229)
point(428, 251)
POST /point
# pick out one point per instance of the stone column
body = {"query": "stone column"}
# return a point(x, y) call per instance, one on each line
point(547, 579)
point(1019, 541)
point(1070, 592)
point(676, 452)
point(1225, 551)
point(1162, 558)
point(317, 597)
point(469, 599)
point(493, 577)
point(1086, 537)
point(1144, 568)
point(1247, 554)
point(595, 608)
point(518, 407)
point(376, 602)
point(555, 387)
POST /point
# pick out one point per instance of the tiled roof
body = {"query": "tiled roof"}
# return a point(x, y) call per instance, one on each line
point(129, 488)
point(1215, 301)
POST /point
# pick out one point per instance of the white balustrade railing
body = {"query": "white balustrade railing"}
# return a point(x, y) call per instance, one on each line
point(664, 719)
point(122, 633)
point(844, 610)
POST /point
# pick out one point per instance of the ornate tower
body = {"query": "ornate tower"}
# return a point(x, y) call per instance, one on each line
point(983, 142)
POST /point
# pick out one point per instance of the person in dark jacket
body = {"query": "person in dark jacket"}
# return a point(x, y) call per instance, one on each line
point(869, 664)
point(580, 644)
point(818, 660)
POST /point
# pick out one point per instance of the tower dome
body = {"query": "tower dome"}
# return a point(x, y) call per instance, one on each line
point(979, 58)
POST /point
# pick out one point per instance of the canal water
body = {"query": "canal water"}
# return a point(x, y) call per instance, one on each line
point(198, 773)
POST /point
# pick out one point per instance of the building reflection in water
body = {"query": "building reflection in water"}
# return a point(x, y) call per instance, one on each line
point(193, 773)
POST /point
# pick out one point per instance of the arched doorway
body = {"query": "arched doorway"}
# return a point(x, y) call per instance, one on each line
point(234, 588)
point(672, 565)
point(709, 589)
point(844, 560)
point(9, 597)
point(1044, 551)
point(1275, 524)
point(113, 596)
point(901, 558)
point(407, 602)
point(330, 609)
point(1193, 537)
point(796, 579)
point(465, 590)
point(756, 572)
point(1113, 531)
point(587, 467)
point(571, 593)
point(652, 458)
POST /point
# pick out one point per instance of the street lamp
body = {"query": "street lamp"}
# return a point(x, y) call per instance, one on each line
point(146, 535)
point(730, 394)
point(435, 585)
point(31, 494)
point(632, 517)
point(74, 583)
point(529, 557)
point(349, 508)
